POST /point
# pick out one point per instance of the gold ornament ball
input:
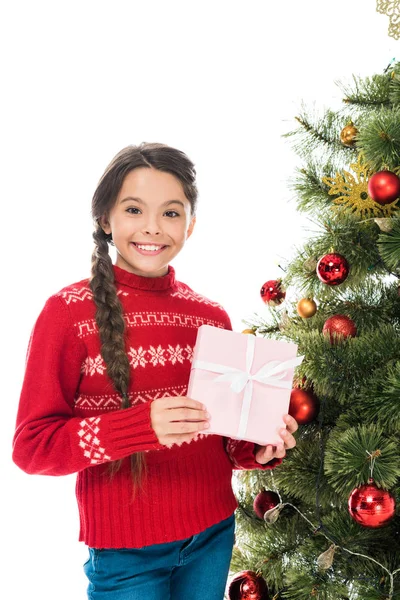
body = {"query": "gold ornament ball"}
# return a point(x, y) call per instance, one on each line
point(249, 331)
point(306, 308)
point(348, 135)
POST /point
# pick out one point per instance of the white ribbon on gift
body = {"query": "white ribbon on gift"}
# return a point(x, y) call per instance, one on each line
point(271, 373)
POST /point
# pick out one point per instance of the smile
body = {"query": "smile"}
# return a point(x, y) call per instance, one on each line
point(149, 249)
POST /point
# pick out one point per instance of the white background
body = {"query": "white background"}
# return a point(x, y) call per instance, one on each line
point(80, 80)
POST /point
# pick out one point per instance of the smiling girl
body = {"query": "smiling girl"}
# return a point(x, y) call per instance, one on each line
point(103, 396)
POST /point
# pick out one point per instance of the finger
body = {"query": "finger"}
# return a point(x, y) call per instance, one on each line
point(186, 427)
point(182, 402)
point(266, 455)
point(280, 451)
point(288, 439)
point(291, 423)
point(290, 442)
point(187, 414)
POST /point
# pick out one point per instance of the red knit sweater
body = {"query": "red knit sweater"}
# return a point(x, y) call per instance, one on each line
point(69, 418)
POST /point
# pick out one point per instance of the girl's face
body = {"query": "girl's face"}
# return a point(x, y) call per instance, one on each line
point(151, 209)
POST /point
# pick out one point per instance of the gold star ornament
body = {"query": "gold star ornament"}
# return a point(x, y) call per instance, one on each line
point(351, 191)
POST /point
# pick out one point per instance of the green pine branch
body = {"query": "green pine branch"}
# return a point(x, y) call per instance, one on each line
point(320, 134)
point(355, 241)
point(366, 92)
point(379, 139)
point(389, 245)
point(347, 464)
point(312, 195)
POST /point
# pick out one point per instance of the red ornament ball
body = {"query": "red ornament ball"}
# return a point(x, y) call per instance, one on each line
point(341, 325)
point(303, 406)
point(384, 187)
point(272, 292)
point(332, 269)
point(249, 590)
point(370, 506)
point(264, 501)
point(247, 585)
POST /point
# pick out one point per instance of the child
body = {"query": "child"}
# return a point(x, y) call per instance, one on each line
point(155, 498)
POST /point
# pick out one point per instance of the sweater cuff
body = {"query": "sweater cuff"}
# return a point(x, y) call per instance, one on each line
point(249, 461)
point(130, 431)
point(242, 455)
point(269, 465)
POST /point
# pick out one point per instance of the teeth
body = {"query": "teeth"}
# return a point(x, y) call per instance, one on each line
point(149, 247)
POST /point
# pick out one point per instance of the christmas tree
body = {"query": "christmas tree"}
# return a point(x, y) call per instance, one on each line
point(323, 524)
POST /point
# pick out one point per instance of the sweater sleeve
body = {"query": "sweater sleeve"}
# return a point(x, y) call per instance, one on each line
point(48, 438)
point(241, 453)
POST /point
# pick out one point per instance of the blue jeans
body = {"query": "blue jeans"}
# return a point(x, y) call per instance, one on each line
point(195, 568)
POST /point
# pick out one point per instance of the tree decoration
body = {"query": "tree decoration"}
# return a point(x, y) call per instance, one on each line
point(303, 405)
point(311, 264)
point(391, 8)
point(248, 585)
point(348, 135)
point(352, 192)
point(273, 292)
point(285, 320)
point(370, 506)
point(249, 331)
point(384, 225)
point(265, 500)
point(325, 560)
point(250, 590)
point(306, 308)
point(341, 325)
point(273, 513)
point(384, 187)
point(332, 268)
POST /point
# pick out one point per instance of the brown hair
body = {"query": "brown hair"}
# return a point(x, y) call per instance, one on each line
point(109, 313)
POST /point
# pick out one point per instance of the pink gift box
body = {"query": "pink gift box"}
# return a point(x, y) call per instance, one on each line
point(244, 381)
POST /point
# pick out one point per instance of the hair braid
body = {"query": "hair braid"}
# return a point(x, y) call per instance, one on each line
point(111, 325)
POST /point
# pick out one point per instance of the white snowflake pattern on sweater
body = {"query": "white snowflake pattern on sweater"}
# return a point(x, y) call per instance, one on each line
point(157, 355)
point(140, 357)
point(93, 365)
point(176, 354)
point(90, 442)
point(137, 357)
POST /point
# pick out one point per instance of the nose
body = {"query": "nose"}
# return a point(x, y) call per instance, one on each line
point(152, 227)
point(151, 231)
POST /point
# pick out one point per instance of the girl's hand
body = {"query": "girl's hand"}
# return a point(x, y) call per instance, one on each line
point(177, 419)
point(266, 453)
